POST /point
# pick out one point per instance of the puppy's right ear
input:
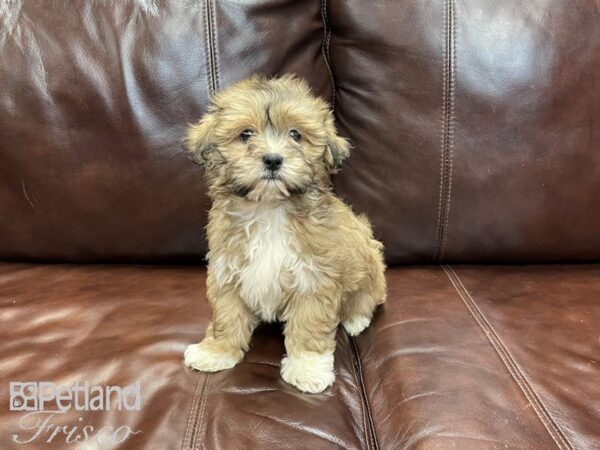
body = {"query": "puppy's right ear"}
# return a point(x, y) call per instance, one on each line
point(198, 140)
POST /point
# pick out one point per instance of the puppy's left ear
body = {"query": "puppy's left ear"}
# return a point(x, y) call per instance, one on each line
point(337, 149)
point(198, 140)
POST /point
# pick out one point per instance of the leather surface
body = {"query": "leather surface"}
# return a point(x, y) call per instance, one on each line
point(432, 378)
point(546, 322)
point(474, 124)
point(526, 151)
point(486, 357)
point(94, 100)
point(104, 326)
point(473, 121)
point(387, 61)
point(117, 325)
point(468, 357)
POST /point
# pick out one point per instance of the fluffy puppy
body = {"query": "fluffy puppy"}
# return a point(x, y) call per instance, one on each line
point(281, 245)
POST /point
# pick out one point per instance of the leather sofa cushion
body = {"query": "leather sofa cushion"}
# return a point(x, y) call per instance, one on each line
point(117, 325)
point(464, 357)
point(95, 99)
point(472, 121)
point(486, 357)
point(474, 125)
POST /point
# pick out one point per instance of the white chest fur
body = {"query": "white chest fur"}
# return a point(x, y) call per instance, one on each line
point(268, 257)
point(267, 266)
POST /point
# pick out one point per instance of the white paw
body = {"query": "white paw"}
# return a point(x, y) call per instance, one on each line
point(199, 357)
point(311, 372)
point(356, 325)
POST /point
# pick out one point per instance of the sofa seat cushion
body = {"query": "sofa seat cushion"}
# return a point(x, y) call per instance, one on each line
point(464, 357)
point(119, 325)
point(486, 357)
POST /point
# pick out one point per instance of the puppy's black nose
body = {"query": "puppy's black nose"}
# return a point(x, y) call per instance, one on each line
point(272, 161)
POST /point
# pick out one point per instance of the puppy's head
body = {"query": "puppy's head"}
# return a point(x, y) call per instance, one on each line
point(267, 140)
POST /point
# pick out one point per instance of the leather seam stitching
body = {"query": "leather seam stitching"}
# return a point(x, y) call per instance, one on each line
point(208, 51)
point(215, 48)
point(209, 36)
point(508, 360)
point(325, 49)
point(362, 403)
point(447, 134)
point(363, 392)
point(200, 428)
point(188, 428)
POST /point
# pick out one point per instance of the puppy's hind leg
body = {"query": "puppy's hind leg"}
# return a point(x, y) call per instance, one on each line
point(357, 312)
point(227, 336)
point(358, 307)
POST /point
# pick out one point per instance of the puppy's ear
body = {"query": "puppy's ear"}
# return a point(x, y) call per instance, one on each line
point(198, 140)
point(337, 149)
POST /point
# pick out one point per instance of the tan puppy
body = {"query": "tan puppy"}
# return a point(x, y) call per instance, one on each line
point(282, 246)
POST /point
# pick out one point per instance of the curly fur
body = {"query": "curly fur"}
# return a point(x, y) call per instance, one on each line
point(284, 247)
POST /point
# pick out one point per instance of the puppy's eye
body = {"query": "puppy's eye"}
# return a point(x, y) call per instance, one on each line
point(295, 135)
point(246, 134)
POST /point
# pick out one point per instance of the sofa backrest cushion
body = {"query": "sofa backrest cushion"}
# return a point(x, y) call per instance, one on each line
point(94, 99)
point(475, 123)
point(476, 126)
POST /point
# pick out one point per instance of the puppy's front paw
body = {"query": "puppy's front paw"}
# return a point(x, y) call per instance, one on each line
point(356, 325)
point(209, 359)
point(311, 372)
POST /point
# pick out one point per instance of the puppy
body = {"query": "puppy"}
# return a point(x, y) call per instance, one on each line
point(281, 245)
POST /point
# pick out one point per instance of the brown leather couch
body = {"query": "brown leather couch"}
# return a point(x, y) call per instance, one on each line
point(476, 134)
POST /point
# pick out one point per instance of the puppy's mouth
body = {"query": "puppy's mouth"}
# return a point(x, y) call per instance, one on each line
point(272, 177)
point(270, 186)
